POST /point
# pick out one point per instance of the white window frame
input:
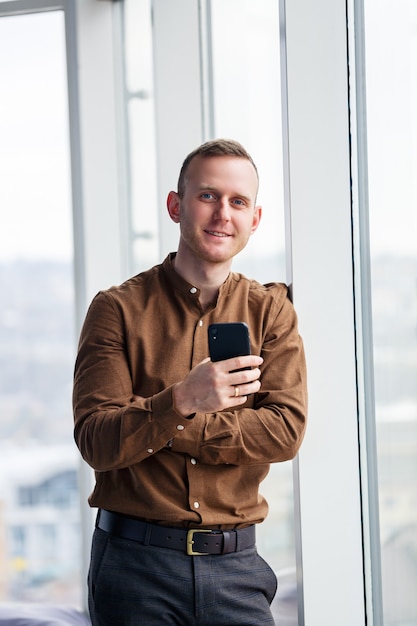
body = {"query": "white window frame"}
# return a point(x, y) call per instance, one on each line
point(319, 201)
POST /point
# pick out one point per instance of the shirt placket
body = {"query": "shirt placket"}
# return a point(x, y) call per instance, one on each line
point(196, 498)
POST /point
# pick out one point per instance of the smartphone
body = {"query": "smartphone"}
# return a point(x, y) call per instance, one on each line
point(227, 340)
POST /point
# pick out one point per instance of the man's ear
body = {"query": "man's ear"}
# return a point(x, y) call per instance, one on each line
point(257, 214)
point(173, 206)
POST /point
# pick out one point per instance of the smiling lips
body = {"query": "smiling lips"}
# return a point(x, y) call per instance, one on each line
point(215, 233)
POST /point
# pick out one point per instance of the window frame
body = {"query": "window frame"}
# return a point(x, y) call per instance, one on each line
point(325, 152)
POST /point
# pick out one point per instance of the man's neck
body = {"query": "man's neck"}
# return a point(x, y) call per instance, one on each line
point(207, 277)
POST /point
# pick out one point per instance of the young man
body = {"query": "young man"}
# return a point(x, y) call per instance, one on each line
point(180, 443)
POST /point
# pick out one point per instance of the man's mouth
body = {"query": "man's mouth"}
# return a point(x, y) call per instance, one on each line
point(216, 233)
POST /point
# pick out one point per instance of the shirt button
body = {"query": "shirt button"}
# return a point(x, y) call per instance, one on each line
point(193, 290)
point(196, 505)
point(180, 427)
point(150, 450)
point(193, 462)
point(200, 323)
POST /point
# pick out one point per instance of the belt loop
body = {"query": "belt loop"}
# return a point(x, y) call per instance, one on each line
point(229, 541)
point(98, 518)
point(147, 537)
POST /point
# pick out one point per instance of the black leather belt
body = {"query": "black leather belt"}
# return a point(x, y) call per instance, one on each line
point(193, 541)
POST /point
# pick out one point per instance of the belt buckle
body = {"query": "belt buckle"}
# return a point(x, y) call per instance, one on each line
point(190, 541)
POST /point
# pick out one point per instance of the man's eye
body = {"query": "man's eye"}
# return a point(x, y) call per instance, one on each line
point(239, 202)
point(207, 196)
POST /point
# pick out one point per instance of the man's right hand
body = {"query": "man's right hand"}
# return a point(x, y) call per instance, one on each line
point(211, 387)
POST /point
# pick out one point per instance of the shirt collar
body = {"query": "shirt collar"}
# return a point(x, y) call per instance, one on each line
point(180, 284)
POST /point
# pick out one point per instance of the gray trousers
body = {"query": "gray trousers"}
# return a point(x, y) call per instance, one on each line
point(133, 585)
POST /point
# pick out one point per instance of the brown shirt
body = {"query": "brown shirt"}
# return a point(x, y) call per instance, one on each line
point(140, 339)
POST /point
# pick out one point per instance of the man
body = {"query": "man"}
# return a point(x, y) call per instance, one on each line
point(180, 443)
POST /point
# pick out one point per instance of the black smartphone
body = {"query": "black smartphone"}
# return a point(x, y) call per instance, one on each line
point(227, 340)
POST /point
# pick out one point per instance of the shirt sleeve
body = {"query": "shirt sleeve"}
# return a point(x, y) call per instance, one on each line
point(271, 425)
point(113, 428)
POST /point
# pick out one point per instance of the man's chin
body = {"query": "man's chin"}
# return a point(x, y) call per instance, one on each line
point(217, 256)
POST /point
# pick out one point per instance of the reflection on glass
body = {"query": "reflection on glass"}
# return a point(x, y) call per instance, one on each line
point(391, 51)
point(39, 511)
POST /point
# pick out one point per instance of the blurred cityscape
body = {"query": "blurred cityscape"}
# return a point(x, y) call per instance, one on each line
point(40, 537)
point(40, 547)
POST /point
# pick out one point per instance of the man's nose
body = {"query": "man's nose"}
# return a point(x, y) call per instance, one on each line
point(222, 211)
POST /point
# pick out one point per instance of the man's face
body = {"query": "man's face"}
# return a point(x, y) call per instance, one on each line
point(217, 213)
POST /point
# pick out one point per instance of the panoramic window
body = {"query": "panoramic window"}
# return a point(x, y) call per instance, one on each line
point(391, 79)
point(39, 507)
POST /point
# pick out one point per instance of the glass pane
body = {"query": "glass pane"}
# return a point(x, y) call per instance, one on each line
point(247, 107)
point(39, 509)
point(391, 67)
point(141, 156)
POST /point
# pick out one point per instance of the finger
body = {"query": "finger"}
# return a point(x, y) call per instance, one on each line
point(247, 361)
point(241, 391)
point(244, 376)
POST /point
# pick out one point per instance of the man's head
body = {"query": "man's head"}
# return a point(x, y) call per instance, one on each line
point(215, 204)
point(213, 148)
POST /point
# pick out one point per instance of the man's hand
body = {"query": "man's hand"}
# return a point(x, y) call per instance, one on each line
point(211, 387)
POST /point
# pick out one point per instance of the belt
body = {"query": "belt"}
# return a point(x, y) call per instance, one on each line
point(193, 541)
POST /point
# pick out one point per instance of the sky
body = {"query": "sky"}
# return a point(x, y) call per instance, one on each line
point(35, 193)
point(35, 190)
point(391, 91)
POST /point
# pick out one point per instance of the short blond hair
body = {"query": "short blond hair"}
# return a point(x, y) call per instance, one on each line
point(213, 148)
